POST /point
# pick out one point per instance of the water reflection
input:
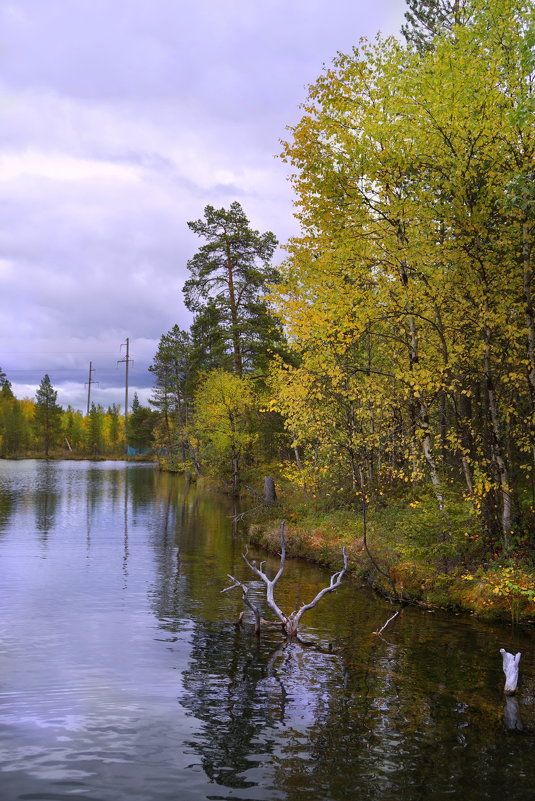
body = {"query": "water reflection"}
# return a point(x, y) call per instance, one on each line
point(124, 674)
point(511, 715)
point(46, 499)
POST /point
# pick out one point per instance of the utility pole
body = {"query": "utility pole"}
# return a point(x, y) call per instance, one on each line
point(89, 382)
point(126, 361)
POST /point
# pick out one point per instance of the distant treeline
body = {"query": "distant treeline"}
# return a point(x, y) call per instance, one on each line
point(40, 426)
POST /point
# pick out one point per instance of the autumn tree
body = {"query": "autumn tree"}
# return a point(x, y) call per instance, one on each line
point(94, 434)
point(73, 428)
point(408, 295)
point(47, 417)
point(113, 426)
point(223, 407)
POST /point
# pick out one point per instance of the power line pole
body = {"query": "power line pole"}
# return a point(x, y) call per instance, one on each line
point(89, 382)
point(126, 361)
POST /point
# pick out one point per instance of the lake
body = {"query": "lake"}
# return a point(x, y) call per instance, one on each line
point(123, 674)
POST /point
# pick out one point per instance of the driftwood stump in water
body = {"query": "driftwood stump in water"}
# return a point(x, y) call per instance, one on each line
point(510, 668)
point(290, 623)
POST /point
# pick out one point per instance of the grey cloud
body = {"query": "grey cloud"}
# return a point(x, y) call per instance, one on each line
point(121, 121)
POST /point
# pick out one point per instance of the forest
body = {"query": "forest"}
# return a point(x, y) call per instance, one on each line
point(384, 372)
point(40, 427)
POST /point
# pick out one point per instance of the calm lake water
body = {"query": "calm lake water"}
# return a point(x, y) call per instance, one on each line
point(123, 676)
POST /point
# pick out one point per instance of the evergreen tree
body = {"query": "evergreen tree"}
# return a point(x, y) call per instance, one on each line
point(95, 430)
point(114, 429)
point(47, 418)
point(428, 18)
point(5, 386)
point(229, 274)
point(172, 370)
point(140, 425)
point(16, 436)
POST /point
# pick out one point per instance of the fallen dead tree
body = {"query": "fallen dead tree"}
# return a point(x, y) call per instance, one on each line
point(289, 623)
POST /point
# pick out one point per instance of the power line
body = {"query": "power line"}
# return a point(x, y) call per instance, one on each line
point(89, 382)
point(126, 361)
point(139, 369)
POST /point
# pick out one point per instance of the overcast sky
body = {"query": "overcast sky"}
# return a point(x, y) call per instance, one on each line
point(121, 121)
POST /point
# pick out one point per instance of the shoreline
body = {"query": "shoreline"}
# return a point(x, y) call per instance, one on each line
point(455, 591)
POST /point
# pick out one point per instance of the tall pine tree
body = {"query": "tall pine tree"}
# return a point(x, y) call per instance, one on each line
point(47, 419)
point(233, 326)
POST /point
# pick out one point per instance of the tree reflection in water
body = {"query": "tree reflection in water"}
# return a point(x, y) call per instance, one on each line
point(251, 696)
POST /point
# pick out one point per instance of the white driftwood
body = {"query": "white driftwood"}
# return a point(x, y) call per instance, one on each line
point(291, 621)
point(510, 668)
point(245, 597)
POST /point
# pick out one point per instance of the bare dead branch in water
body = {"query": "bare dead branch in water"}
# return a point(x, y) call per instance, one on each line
point(291, 622)
point(390, 619)
point(245, 598)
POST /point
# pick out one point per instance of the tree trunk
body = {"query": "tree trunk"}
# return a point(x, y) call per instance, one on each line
point(428, 454)
point(235, 473)
point(527, 246)
point(270, 496)
point(419, 414)
point(497, 452)
point(291, 622)
point(236, 344)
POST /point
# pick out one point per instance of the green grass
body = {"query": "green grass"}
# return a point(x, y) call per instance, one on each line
point(432, 557)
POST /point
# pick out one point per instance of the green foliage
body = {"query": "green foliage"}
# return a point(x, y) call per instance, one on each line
point(114, 426)
point(408, 297)
point(224, 406)
point(140, 425)
point(47, 417)
point(233, 327)
point(73, 428)
point(174, 373)
point(94, 440)
point(427, 19)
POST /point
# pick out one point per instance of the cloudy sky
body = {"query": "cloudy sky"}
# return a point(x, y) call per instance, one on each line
point(121, 121)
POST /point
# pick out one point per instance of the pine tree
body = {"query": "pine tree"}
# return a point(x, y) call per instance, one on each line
point(16, 430)
point(47, 418)
point(229, 275)
point(173, 371)
point(5, 386)
point(95, 430)
point(140, 425)
point(428, 18)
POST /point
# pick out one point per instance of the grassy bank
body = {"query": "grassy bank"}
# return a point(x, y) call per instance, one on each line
point(437, 559)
